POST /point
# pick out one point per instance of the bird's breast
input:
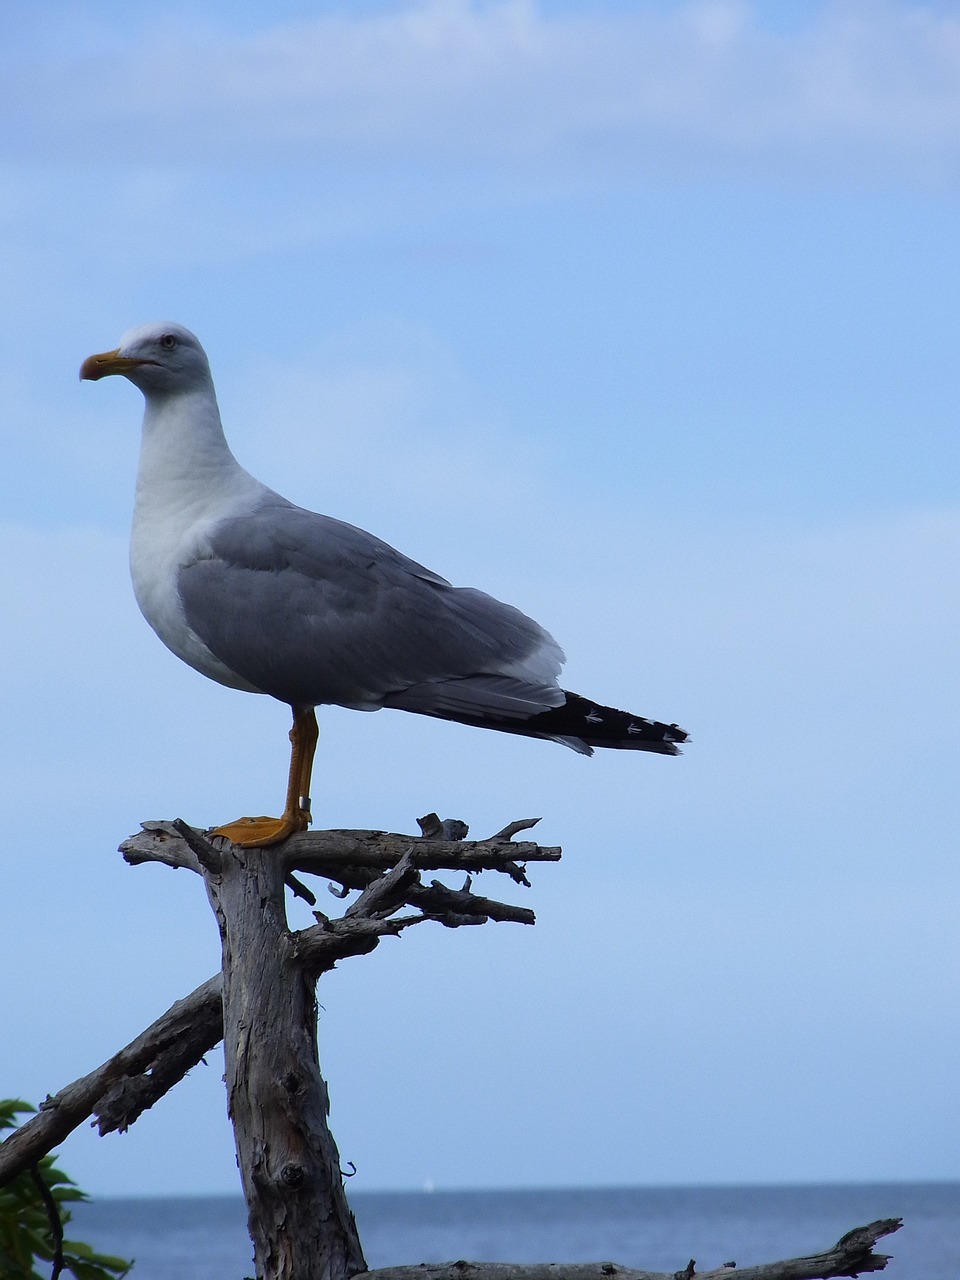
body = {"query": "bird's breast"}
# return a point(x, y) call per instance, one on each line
point(159, 548)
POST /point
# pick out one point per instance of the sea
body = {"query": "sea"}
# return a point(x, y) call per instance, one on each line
point(653, 1228)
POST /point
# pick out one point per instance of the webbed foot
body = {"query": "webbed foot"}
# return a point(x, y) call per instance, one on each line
point(261, 832)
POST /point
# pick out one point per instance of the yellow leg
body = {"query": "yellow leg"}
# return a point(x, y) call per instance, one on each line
point(260, 832)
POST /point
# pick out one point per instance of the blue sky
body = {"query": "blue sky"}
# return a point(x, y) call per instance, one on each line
point(640, 316)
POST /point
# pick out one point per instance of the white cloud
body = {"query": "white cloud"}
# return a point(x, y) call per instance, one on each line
point(872, 88)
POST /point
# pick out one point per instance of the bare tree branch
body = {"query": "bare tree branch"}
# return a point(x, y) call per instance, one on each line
point(851, 1256)
point(300, 890)
point(436, 899)
point(140, 1073)
point(386, 892)
point(206, 854)
point(439, 901)
point(511, 829)
point(327, 853)
point(297, 1213)
point(160, 842)
point(319, 948)
point(385, 868)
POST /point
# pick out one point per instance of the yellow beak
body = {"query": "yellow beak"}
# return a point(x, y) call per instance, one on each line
point(96, 367)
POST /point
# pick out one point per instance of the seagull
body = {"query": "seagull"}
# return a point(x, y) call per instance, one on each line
point(265, 596)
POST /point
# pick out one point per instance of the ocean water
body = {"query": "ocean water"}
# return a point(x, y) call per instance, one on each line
point(204, 1238)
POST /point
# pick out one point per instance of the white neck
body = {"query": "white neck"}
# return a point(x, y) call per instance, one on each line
point(187, 482)
point(184, 455)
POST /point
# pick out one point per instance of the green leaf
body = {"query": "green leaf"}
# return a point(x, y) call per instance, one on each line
point(26, 1231)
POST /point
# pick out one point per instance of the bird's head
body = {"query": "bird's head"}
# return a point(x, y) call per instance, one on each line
point(162, 358)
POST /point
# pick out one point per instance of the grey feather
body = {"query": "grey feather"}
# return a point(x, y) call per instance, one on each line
point(312, 610)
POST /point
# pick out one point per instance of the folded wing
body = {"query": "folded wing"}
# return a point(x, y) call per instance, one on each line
point(312, 610)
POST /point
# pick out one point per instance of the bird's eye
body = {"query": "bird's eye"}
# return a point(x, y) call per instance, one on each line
point(168, 342)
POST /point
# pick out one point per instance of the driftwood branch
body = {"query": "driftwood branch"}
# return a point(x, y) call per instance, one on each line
point(300, 1222)
point(383, 866)
point(127, 1084)
point(851, 1256)
point(298, 1217)
point(369, 861)
point(339, 854)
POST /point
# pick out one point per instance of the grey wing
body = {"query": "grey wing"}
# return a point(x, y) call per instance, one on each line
point(312, 610)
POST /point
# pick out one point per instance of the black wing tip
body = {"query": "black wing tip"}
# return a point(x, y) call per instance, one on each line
point(595, 725)
point(583, 725)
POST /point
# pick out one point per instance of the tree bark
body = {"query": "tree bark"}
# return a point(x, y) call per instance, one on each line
point(381, 864)
point(851, 1256)
point(124, 1086)
point(299, 1220)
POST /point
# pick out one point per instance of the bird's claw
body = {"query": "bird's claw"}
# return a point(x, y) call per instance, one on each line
point(250, 833)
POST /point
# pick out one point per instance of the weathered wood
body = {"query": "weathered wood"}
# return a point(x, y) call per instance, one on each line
point(327, 853)
point(299, 1220)
point(324, 852)
point(298, 1216)
point(438, 901)
point(121, 1089)
point(851, 1256)
point(125, 1085)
